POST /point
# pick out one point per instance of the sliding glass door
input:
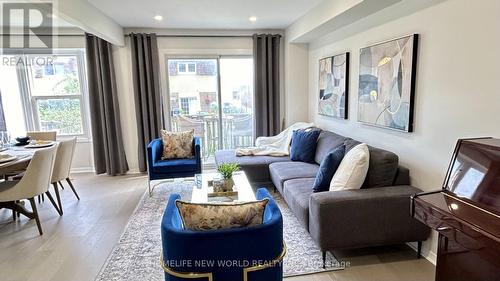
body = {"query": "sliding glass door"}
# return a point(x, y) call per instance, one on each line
point(214, 97)
point(236, 76)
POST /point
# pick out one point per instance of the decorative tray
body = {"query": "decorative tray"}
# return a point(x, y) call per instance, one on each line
point(223, 194)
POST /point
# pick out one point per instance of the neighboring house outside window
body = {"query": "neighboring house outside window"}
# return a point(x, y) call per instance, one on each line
point(186, 68)
point(193, 67)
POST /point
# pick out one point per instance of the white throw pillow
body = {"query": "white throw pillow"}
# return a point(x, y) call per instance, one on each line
point(352, 170)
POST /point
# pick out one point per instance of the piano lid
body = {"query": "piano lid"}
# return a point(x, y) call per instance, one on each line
point(474, 173)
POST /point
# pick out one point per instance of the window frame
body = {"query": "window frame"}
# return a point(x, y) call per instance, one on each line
point(30, 102)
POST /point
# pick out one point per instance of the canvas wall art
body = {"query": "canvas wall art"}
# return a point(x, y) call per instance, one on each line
point(387, 83)
point(333, 79)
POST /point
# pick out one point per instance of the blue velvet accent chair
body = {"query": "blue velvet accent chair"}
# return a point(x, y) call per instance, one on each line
point(159, 169)
point(226, 254)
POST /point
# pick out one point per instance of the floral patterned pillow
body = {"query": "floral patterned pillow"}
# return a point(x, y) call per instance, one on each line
point(177, 144)
point(197, 216)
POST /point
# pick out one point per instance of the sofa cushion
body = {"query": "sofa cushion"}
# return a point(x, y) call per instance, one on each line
point(327, 169)
point(296, 194)
point(283, 171)
point(327, 141)
point(383, 165)
point(351, 172)
point(303, 146)
point(255, 167)
point(174, 166)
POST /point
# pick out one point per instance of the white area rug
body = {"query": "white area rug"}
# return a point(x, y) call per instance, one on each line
point(136, 256)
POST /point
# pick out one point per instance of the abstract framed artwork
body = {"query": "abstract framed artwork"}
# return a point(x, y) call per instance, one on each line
point(333, 90)
point(387, 83)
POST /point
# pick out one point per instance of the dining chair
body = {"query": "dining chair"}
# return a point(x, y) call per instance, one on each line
point(35, 181)
point(46, 136)
point(62, 167)
point(43, 136)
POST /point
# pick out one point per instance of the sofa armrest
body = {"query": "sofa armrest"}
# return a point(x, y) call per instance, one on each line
point(364, 217)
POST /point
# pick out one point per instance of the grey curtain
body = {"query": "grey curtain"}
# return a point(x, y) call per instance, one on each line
point(147, 95)
point(266, 52)
point(109, 153)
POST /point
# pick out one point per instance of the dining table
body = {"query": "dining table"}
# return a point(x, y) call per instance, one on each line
point(23, 158)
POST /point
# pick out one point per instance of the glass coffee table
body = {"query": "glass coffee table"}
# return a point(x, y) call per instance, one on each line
point(202, 189)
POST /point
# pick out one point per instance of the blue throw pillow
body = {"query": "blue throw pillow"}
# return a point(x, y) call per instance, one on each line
point(304, 145)
point(327, 169)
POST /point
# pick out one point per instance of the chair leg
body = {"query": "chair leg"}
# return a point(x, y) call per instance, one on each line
point(72, 188)
point(61, 185)
point(324, 259)
point(58, 197)
point(35, 213)
point(14, 213)
point(39, 199)
point(149, 188)
point(58, 208)
point(419, 249)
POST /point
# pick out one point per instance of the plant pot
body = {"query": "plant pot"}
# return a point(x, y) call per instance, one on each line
point(228, 184)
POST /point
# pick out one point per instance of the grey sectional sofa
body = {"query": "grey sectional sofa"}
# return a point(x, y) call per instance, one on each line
point(377, 214)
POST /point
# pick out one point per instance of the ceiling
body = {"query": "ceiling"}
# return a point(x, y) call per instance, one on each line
point(205, 14)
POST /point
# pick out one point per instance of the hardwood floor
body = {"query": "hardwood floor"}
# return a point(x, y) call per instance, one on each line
point(76, 245)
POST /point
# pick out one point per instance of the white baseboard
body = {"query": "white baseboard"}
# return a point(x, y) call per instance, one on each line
point(428, 255)
point(432, 257)
point(80, 170)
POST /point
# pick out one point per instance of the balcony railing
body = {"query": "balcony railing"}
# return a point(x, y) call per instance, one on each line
point(237, 130)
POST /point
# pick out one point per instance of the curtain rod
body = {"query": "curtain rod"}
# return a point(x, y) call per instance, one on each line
point(128, 35)
point(55, 35)
point(197, 36)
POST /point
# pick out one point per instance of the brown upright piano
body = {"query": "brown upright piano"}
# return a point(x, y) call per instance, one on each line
point(466, 213)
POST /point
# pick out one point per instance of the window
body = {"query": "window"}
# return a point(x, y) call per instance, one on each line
point(186, 68)
point(186, 104)
point(51, 91)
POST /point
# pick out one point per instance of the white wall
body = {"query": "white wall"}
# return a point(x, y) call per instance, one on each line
point(168, 46)
point(457, 92)
point(295, 83)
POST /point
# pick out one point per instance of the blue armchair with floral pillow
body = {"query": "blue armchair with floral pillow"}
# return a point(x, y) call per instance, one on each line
point(253, 253)
point(159, 169)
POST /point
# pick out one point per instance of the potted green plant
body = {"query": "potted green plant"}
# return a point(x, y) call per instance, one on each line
point(226, 170)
